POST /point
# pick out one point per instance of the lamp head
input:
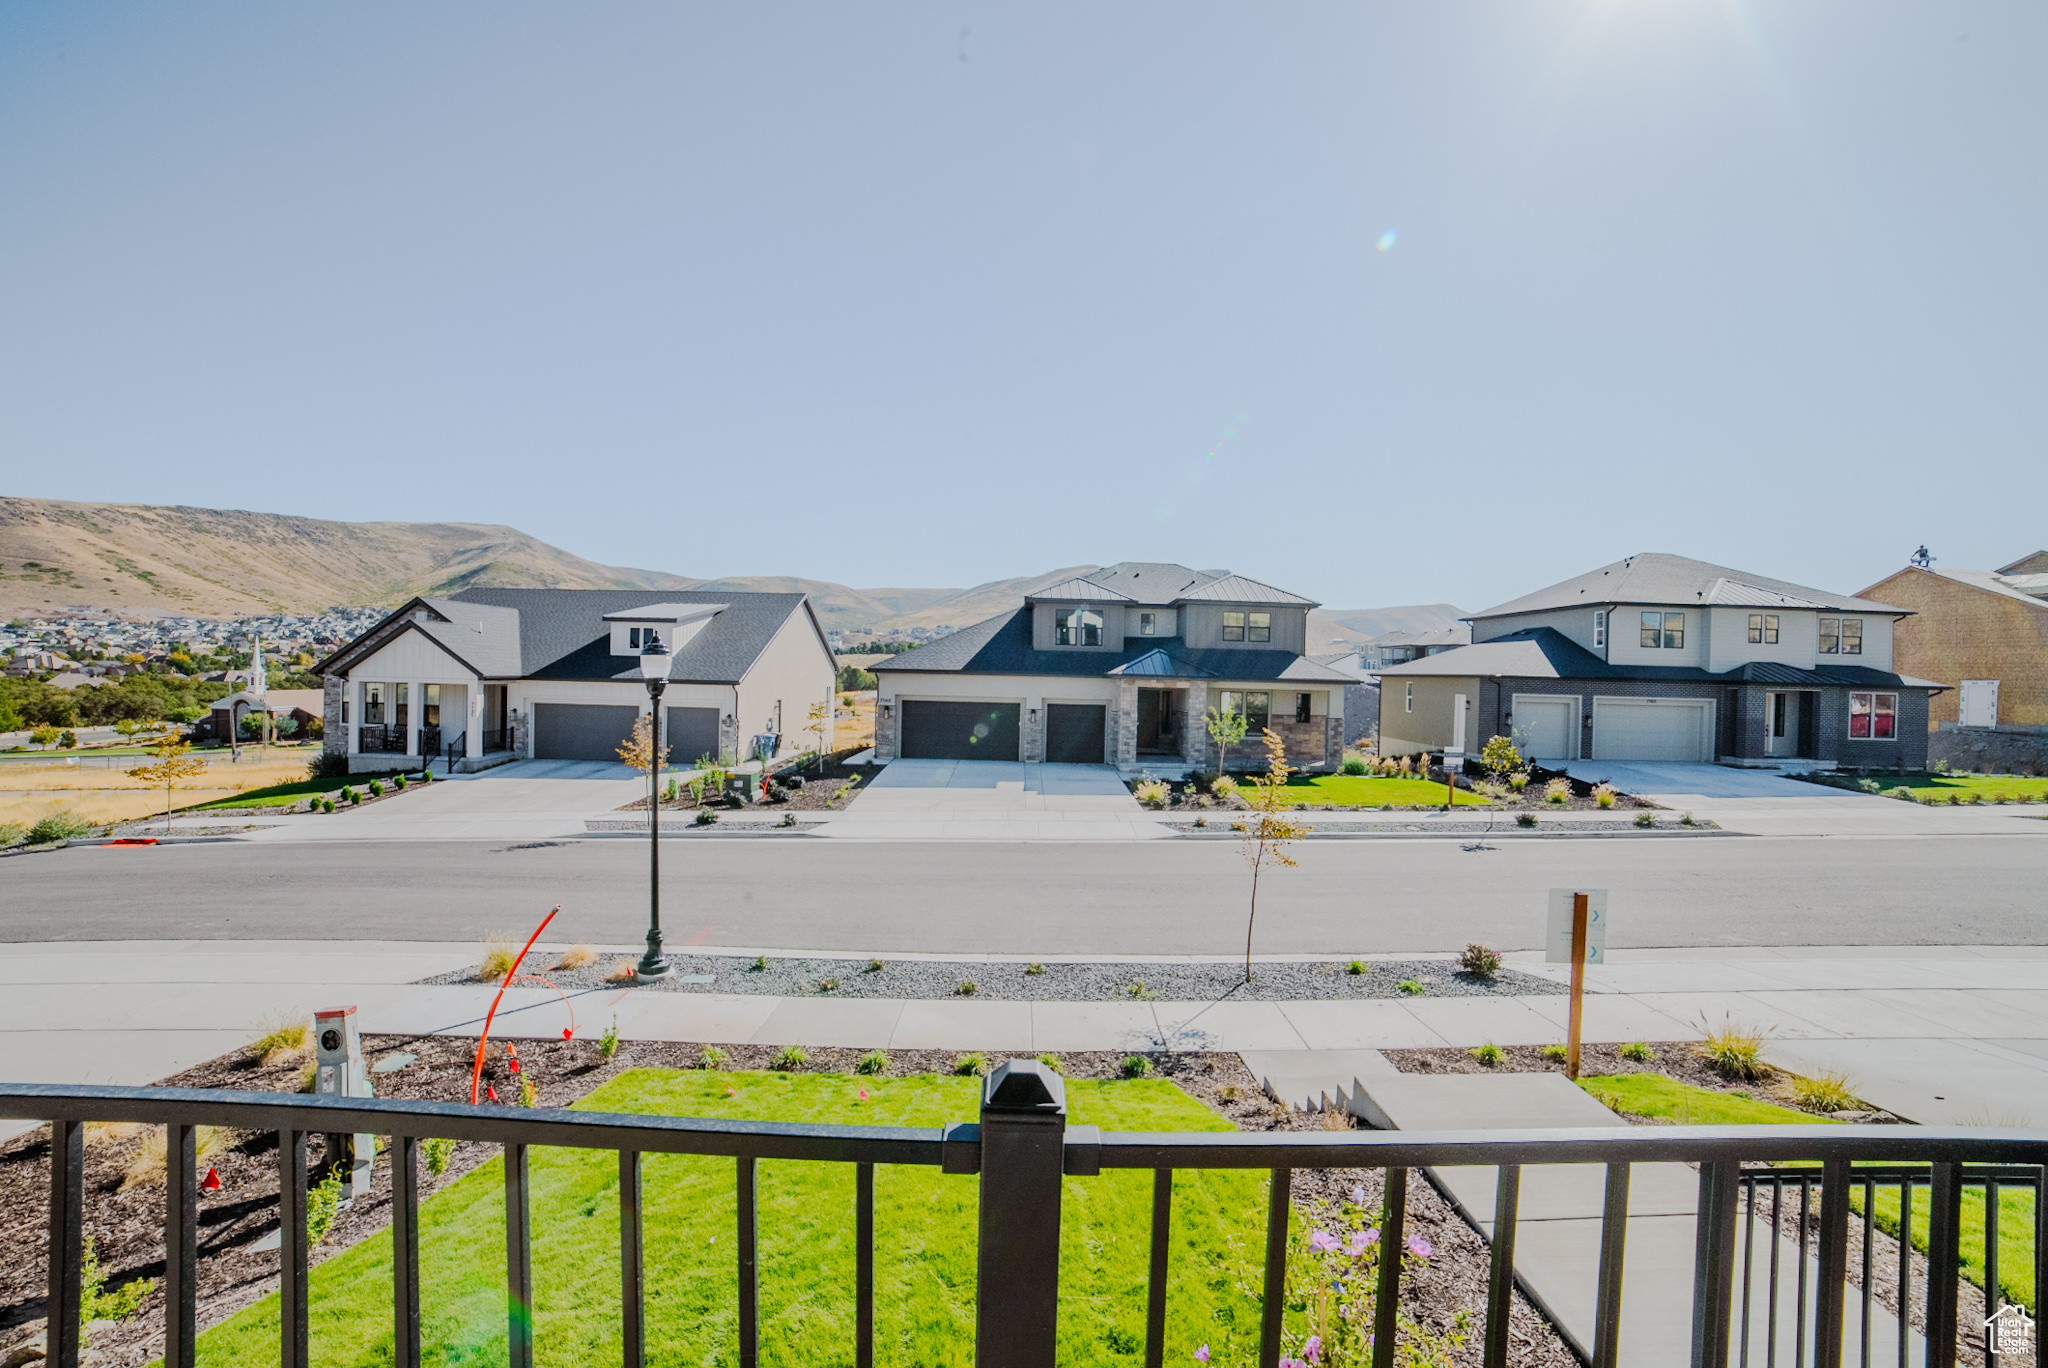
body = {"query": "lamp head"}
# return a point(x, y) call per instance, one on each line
point(655, 658)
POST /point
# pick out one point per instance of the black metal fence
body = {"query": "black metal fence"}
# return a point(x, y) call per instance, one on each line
point(378, 739)
point(1022, 1146)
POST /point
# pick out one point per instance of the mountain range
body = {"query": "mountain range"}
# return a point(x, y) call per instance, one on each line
point(143, 560)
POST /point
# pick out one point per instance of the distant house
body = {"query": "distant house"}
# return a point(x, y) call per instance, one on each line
point(1658, 657)
point(224, 716)
point(1118, 666)
point(554, 674)
point(1982, 632)
point(1361, 699)
point(1398, 648)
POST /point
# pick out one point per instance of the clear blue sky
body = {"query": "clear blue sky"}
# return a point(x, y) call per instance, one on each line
point(1385, 303)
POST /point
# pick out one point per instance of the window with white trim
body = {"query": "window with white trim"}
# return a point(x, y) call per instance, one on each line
point(1873, 716)
point(1600, 629)
point(1078, 627)
point(1763, 629)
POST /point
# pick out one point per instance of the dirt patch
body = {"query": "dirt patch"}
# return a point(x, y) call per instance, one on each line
point(127, 1226)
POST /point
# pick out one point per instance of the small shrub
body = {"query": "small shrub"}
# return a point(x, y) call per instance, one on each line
point(577, 957)
point(1734, 1052)
point(1902, 791)
point(759, 965)
point(1034, 970)
point(873, 1062)
point(1134, 1066)
point(1604, 795)
point(1201, 821)
point(1489, 1054)
point(1412, 987)
point(305, 1078)
point(967, 988)
point(1638, 1051)
point(1500, 756)
point(97, 1303)
point(351, 796)
point(376, 788)
point(1224, 786)
point(788, 819)
point(323, 1201)
point(875, 966)
point(1138, 990)
point(1354, 763)
point(500, 955)
point(1519, 780)
point(973, 1064)
point(1153, 793)
point(1479, 961)
point(826, 985)
point(789, 1059)
point(1053, 1062)
point(711, 1057)
point(1355, 967)
point(325, 766)
point(622, 971)
point(398, 782)
point(1552, 1051)
point(326, 805)
point(1558, 791)
point(608, 1043)
point(1646, 818)
point(707, 817)
point(529, 1096)
point(1687, 819)
point(1525, 819)
point(439, 1149)
point(1828, 1092)
point(61, 825)
point(283, 1041)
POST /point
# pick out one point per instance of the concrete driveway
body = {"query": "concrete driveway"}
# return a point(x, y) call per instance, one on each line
point(995, 800)
point(525, 800)
point(1766, 803)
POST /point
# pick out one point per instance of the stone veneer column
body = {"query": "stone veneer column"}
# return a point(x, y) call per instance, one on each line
point(335, 734)
point(885, 728)
point(1126, 722)
point(1194, 735)
point(1031, 744)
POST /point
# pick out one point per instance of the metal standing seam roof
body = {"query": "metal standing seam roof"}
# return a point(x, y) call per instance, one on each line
point(1081, 588)
point(1002, 645)
point(1163, 583)
point(1546, 653)
point(562, 633)
point(1994, 583)
point(1242, 589)
point(1674, 581)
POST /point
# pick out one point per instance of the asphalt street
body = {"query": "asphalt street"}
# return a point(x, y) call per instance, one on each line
point(1166, 897)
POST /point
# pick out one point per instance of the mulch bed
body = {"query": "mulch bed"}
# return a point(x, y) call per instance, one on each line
point(127, 1226)
point(819, 793)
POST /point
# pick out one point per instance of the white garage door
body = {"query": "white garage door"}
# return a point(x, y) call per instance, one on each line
point(1546, 728)
point(1653, 729)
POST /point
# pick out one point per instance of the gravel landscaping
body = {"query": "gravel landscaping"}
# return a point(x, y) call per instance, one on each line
point(1054, 982)
point(1496, 826)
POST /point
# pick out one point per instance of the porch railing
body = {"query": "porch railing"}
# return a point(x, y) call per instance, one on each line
point(374, 738)
point(1021, 1147)
point(498, 740)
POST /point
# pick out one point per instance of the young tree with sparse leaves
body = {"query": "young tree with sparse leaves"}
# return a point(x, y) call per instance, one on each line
point(1264, 835)
point(173, 762)
point(638, 749)
point(818, 721)
point(1226, 729)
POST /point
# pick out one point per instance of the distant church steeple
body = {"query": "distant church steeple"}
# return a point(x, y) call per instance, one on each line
point(257, 683)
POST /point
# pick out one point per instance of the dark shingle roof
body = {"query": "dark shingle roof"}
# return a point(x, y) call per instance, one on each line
point(1656, 578)
point(1002, 645)
point(1546, 653)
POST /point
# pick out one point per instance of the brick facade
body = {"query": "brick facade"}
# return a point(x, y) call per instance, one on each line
point(1959, 631)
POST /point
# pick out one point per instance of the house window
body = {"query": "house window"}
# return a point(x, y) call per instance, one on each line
point(344, 710)
point(1763, 629)
point(1233, 626)
point(373, 704)
point(1256, 707)
point(1301, 713)
point(633, 637)
point(1841, 636)
point(1873, 716)
point(1260, 628)
point(430, 710)
point(1408, 698)
point(1600, 629)
point(1148, 624)
point(1666, 630)
point(1078, 627)
point(1852, 636)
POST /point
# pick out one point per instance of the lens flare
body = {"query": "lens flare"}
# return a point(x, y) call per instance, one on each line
point(1388, 239)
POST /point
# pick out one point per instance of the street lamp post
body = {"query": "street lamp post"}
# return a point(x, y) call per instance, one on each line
point(654, 666)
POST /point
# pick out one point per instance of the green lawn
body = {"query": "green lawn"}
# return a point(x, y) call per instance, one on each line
point(1985, 786)
point(286, 795)
point(925, 1238)
point(1656, 1096)
point(1364, 790)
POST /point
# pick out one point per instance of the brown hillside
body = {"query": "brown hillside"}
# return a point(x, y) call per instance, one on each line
point(57, 556)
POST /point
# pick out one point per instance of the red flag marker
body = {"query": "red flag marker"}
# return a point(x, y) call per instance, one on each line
point(211, 1182)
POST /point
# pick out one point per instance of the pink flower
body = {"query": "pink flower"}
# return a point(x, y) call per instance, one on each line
point(1312, 1349)
point(1420, 1247)
point(1202, 1354)
point(1323, 1241)
point(1358, 1195)
point(863, 1094)
point(1362, 1240)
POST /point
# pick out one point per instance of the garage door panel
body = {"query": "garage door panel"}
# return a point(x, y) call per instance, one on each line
point(936, 729)
point(581, 731)
point(1546, 726)
point(1074, 733)
point(1674, 730)
point(692, 734)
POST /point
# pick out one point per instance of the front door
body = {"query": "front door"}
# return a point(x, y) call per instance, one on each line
point(1157, 732)
point(1781, 718)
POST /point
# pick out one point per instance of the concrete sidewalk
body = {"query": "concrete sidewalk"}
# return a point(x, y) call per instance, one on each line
point(528, 800)
point(994, 800)
point(1766, 803)
point(1954, 1033)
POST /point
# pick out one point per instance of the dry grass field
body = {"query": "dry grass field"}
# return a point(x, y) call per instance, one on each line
point(853, 726)
point(29, 792)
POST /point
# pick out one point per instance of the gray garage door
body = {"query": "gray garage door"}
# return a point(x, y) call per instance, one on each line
point(959, 731)
point(692, 734)
point(580, 731)
point(1073, 733)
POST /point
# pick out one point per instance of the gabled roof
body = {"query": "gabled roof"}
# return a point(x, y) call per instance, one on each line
point(1242, 589)
point(1163, 582)
point(1674, 581)
point(1995, 582)
point(1741, 594)
point(563, 634)
point(1161, 664)
point(2035, 564)
point(1002, 645)
point(1151, 581)
point(1546, 653)
point(1078, 587)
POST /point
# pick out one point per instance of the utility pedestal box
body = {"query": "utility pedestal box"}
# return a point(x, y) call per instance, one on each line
point(340, 1071)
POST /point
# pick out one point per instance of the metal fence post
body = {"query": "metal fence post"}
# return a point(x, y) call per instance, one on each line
point(1023, 1138)
point(1713, 1277)
point(67, 1242)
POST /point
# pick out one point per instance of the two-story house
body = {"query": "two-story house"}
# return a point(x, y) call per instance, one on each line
point(1659, 657)
point(1118, 666)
